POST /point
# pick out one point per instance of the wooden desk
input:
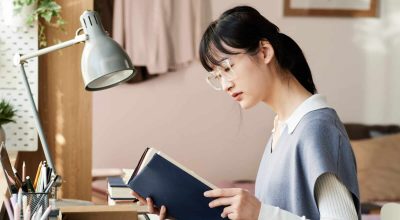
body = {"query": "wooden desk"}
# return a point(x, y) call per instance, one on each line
point(100, 212)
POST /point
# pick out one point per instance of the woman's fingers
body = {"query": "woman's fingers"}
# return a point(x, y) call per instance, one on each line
point(163, 213)
point(223, 192)
point(227, 210)
point(221, 201)
point(151, 207)
point(141, 199)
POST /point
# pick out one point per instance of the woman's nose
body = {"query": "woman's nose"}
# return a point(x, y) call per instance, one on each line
point(226, 84)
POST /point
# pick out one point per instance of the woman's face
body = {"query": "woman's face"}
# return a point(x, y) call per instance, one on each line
point(251, 81)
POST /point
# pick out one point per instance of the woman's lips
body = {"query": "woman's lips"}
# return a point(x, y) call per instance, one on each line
point(237, 96)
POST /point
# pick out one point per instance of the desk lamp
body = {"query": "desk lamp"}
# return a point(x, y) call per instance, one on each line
point(104, 64)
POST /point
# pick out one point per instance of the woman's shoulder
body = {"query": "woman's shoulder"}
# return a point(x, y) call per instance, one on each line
point(325, 118)
point(320, 125)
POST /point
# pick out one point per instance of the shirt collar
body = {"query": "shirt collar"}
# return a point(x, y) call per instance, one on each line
point(312, 103)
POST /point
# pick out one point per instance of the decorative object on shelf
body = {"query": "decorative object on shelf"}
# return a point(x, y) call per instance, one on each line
point(26, 12)
point(333, 8)
point(16, 16)
point(7, 115)
point(104, 64)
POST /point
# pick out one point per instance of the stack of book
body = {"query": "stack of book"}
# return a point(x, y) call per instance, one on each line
point(118, 191)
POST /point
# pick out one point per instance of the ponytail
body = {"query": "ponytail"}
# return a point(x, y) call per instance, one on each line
point(290, 57)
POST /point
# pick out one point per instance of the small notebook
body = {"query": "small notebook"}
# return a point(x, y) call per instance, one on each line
point(171, 184)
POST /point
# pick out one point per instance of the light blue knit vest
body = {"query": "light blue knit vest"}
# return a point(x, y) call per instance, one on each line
point(319, 144)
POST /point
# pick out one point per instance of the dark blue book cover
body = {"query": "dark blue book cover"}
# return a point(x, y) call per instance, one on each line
point(116, 181)
point(180, 192)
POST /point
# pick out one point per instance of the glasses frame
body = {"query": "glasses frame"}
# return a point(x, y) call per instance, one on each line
point(221, 73)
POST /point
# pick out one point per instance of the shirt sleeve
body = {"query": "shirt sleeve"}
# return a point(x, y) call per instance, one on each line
point(333, 199)
point(334, 203)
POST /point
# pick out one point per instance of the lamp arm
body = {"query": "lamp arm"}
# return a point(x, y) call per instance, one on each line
point(18, 58)
point(35, 113)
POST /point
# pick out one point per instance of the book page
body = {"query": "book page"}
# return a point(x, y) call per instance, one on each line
point(150, 153)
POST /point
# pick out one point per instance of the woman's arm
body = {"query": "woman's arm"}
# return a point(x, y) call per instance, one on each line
point(334, 202)
point(333, 199)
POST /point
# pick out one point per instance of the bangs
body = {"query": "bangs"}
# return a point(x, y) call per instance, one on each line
point(212, 46)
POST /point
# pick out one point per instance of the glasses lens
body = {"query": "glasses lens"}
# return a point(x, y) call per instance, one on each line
point(214, 81)
point(226, 70)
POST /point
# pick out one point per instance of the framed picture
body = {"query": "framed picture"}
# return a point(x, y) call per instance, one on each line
point(333, 8)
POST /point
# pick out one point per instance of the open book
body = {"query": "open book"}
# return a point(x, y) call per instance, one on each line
point(169, 183)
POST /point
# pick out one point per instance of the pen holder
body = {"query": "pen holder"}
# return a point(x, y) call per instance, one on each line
point(37, 202)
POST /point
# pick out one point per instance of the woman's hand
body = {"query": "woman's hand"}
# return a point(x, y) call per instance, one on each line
point(240, 203)
point(152, 210)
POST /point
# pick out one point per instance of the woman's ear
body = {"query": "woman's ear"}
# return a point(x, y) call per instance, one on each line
point(267, 51)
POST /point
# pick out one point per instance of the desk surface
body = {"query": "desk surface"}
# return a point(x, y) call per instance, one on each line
point(104, 208)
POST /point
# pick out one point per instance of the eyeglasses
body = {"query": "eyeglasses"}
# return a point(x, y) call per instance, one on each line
point(225, 71)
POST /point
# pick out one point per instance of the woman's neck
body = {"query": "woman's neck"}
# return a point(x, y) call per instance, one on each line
point(287, 95)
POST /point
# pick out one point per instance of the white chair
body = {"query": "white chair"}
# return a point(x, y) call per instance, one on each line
point(390, 211)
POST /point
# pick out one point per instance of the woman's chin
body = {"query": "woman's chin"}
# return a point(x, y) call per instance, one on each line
point(246, 105)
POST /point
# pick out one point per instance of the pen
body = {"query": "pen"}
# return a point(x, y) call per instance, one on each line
point(24, 204)
point(19, 197)
point(13, 186)
point(51, 183)
point(27, 216)
point(13, 200)
point(18, 177)
point(49, 172)
point(29, 184)
point(43, 175)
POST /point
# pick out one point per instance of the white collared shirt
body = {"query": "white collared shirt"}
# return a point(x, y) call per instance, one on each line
point(314, 102)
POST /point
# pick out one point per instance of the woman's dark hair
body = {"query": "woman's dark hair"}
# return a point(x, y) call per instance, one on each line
point(243, 27)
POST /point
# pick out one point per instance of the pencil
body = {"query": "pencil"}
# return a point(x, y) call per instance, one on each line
point(23, 171)
point(37, 174)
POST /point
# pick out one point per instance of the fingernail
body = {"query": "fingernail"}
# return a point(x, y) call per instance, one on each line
point(222, 215)
point(206, 193)
point(163, 208)
point(210, 204)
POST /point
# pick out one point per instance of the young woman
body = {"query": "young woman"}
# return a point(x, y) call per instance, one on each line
point(308, 169)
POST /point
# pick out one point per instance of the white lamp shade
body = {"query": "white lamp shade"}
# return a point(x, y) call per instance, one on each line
point(104, 63)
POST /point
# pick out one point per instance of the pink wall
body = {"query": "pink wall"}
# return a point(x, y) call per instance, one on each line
point(205, 130)
point(181, 115)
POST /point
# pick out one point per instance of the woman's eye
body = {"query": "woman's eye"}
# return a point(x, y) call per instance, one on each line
point(227, 69)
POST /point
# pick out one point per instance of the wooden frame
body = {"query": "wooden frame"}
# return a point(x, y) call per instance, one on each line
point(333, 8)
